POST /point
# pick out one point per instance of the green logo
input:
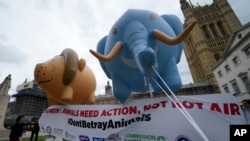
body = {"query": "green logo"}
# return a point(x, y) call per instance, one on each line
point(161, 138)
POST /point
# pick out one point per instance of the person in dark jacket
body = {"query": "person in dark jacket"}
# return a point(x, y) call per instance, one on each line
point(17, 129)
point(35, 130)
point(246, 109)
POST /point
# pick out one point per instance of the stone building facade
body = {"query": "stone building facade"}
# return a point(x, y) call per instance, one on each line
point(207, 41)
point(232, 71)
point(4, 99)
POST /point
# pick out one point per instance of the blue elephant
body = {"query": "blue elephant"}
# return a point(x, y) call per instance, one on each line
point(138, 42)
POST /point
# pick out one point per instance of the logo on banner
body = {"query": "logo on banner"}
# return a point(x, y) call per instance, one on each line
point(114, 137)
point(57, 131)
point(98, 139)
point(48, 130)
point(143, 137)
point(182, 138)
point(161, 138)
point(83, 138)
point(69, 136)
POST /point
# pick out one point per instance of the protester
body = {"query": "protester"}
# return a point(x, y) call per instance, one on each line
point(246, 109)
point(35, 130)
point(17, 129)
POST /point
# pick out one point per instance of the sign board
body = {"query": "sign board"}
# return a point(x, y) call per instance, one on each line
point(154, 119)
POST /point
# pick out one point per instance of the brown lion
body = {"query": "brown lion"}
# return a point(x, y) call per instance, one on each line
point(66, 80)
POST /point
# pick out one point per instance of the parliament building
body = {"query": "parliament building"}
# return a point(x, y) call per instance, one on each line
point(207, 41)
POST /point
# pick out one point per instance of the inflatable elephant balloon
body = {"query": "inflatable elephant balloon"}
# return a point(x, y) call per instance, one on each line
point(66, 79)
point(138, 42)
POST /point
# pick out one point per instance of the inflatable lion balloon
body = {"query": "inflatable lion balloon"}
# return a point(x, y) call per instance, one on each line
point(66, 80)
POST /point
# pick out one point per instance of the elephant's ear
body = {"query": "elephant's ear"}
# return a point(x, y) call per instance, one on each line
point(174, 22)
point(100, 48)
point(177, 27)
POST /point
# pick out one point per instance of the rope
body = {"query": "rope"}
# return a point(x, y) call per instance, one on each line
point(181, 108)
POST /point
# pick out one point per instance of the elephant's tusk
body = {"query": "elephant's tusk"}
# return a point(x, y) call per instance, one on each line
point(173, 41)
point(117, 47)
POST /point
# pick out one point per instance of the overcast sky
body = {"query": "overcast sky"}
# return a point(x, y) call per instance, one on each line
point(33, 31)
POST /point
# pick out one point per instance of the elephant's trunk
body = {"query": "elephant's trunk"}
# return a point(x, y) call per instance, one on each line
point(136, 38)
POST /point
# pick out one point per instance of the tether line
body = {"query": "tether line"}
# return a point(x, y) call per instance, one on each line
point(181, 108)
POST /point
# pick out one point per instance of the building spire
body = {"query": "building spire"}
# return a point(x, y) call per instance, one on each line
point(25, 81)
point(190, 3)
point(184, 4)
point(198, 4)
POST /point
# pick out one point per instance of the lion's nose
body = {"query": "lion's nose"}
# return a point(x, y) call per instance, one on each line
point(38, 68)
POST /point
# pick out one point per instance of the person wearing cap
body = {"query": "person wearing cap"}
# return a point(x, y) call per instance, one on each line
point(17, 129)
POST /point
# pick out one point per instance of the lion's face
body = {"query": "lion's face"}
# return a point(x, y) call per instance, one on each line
point(49, 73)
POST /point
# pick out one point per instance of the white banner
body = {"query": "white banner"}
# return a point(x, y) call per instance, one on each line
point(154, 119)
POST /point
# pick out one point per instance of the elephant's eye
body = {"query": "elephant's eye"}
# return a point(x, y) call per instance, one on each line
point(151, 16)
point(114, 31)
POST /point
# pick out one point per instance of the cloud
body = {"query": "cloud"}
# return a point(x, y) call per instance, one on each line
point(3, 38)
point(11, 54)
point(184, 70)
point(42, 4)
point(241, 10)
point(3, 5)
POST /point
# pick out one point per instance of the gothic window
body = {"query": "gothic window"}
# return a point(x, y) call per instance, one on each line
point(190, 43)
point(189, 48)
point(222, 31)
point(204, 29)
point(213, 30)
point(236, 60)
point(199, 72)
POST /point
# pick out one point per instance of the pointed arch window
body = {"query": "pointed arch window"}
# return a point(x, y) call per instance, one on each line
point(204, 29)
point(221, 28)
point(212, 28)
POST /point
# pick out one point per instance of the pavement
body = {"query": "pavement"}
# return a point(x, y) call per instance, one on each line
point(4, 136)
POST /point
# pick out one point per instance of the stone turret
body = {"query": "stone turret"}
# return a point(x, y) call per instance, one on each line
point(206, 42)
point(4, 99)
point(108, 89)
